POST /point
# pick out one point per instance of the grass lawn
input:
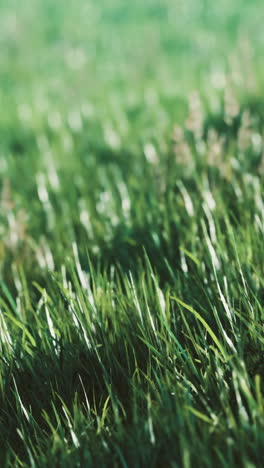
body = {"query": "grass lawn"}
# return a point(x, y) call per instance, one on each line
point(131, 234)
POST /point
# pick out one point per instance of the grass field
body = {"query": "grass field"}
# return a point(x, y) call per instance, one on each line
point(131, 234)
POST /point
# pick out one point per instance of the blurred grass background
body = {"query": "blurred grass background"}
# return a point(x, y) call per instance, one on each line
point(65, 50)
point(92, 84)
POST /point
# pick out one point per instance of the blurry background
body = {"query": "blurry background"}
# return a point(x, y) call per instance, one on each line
point(76, 50)
point(90, 92)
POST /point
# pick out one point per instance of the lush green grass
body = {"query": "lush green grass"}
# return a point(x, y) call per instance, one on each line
point(131, 234)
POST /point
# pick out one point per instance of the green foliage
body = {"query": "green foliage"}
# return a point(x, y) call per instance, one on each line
point(131, 234)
